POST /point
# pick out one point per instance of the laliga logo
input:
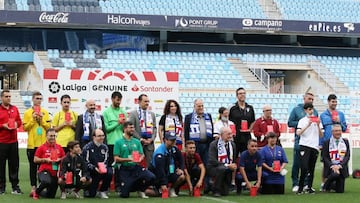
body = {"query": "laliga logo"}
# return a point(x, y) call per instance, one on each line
point(349, 26)
point(59, 17)
point(247, 22)
point(135, 88)
point(182, 22)
point(54, 87)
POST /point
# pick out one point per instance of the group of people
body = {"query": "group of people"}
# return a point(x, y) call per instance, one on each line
point(86, 151)
point(314, 134)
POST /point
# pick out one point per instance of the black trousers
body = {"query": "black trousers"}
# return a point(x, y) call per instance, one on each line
point(337, 180)
point(272, 189)
point(308, 157)
point(48, 182)
point(32, 166)
point(222, 177)
point(9, 153)
point(96, 178)
point(134, 178)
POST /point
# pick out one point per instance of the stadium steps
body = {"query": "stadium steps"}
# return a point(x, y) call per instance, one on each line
point(44, 59)
point(243, 69)
point(319, 105)
point(17, 100)
point(329, 78)
point(270, 9)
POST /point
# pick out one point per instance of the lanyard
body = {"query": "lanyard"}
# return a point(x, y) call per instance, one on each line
point(273, 152)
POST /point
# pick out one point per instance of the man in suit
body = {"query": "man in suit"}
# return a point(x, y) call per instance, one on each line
point(336, 155)
point(221, 163)
point(145, 126)
point(87, 123)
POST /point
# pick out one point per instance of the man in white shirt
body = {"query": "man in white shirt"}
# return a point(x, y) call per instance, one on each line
point(309, 129)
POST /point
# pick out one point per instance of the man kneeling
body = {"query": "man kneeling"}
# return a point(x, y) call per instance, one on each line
point(336, 155)
point(222, 161)
point(129, 153)
point(48, 157)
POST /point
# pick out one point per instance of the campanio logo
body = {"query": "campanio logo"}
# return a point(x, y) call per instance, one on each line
point(247, 22)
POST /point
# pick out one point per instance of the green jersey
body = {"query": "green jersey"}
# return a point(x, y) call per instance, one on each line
point(114, 130)
point(124, 149)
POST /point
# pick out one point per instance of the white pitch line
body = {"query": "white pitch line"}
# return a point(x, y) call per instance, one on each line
point(217, 199)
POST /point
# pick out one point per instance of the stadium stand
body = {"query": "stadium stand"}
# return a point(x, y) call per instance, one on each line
point(197, 70)
point(340, 66)
point(201, 8)
point(199, 75)
point(320, 10)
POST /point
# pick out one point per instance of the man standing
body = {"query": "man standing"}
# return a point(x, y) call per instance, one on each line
point(310, 130)
point(87, 123)
point(328, 118)
point(194, 168)
point(96, 155)
point(114, 118)
point(64, 123)
point(9, 147)
point(265, 124)
point(167, 165)
point(243, 115)
point(36, 122)
point(296, 114)
point(48, 156)
point(198, 126)
point(145, 126)
point(129, 153)
point(336, 155)
point(222, 161)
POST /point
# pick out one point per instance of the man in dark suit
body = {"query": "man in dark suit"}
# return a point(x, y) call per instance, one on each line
point(145, 126)
point(221, 163)
point(198, 126)
point(87, 123)
point(336, 155)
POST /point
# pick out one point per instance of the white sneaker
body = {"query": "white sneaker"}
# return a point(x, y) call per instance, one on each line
point(77, 195)
point(103, 195)
point(295, 188)
point(142, 195)
point(172, 193)
point(63, 195)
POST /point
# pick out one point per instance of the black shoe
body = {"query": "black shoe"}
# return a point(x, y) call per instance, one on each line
point(310, 191)
point(207, 190)
point(300, 192)
point(216, 194)
point(2, 192)
point(16, 191)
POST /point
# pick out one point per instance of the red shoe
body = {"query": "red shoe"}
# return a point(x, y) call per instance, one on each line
point(31, 194)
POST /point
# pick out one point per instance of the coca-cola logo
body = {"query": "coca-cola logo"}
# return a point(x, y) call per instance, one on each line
point(59, 17)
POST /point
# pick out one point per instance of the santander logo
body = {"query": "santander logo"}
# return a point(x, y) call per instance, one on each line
point(135, 88)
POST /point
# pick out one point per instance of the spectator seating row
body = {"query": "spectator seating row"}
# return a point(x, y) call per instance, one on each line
point(320, 10)
point(196, 71)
